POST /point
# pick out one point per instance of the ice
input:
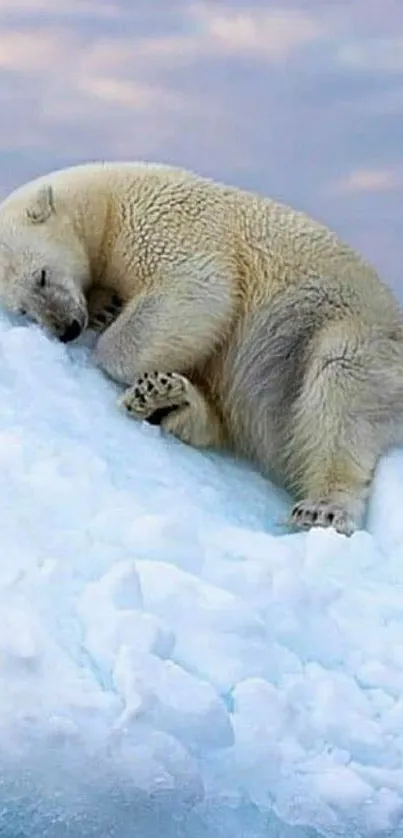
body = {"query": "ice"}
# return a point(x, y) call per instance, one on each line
point(173, 662)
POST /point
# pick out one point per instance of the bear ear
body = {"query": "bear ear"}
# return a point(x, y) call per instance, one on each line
point(41, 206)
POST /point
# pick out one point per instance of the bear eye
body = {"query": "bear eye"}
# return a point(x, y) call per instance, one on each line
point(42, 278)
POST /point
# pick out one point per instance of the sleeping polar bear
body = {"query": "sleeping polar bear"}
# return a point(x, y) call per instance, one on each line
point(232, 319)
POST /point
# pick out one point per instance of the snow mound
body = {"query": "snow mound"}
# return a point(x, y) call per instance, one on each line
point(172, 662)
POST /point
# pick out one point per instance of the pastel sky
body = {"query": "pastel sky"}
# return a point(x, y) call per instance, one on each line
point(299, 99)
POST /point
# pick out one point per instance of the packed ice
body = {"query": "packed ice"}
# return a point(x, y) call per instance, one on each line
point(173, 661)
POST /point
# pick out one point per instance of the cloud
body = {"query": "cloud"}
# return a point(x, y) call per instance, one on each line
point(127, 94)
point(300, 100)
point(210, 33)
point(76, 8)
point(57, 81)
point(77, 81)
point(371, 180)
point(23, 51)
point(272, 34)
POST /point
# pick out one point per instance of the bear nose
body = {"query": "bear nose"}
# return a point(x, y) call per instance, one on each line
point(72, 332)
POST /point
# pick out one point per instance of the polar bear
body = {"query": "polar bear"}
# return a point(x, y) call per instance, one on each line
point(231, 319)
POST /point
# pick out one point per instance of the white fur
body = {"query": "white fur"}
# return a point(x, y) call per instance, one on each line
point(291, 346)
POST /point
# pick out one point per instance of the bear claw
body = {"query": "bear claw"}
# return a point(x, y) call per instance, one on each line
point(310, 513)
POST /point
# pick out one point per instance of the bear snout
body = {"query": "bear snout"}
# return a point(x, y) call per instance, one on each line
point(71, 332)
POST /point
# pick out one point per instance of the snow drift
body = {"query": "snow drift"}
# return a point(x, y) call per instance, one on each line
point(172, 662)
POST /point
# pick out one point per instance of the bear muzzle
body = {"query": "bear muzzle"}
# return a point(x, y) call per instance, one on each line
point(72, 331)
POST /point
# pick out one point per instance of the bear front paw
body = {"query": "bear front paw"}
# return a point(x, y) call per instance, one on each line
point(155, 395)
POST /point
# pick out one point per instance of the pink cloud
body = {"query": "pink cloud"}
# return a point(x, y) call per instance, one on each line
point(127, 94)
point(268, 33)
point(72, 77)
point(99, 9)
point(371, 180)
point(32, 51)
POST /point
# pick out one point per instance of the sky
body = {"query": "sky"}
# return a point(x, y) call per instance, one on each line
point(301, 100)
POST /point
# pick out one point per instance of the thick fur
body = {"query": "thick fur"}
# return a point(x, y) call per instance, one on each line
point(235, 319)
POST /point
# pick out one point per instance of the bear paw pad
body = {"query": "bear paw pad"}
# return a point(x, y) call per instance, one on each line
point(155, 392)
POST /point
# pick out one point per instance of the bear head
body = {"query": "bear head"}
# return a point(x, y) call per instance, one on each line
point(44, 266)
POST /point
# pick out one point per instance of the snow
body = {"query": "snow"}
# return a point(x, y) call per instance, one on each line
point(173, 662)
